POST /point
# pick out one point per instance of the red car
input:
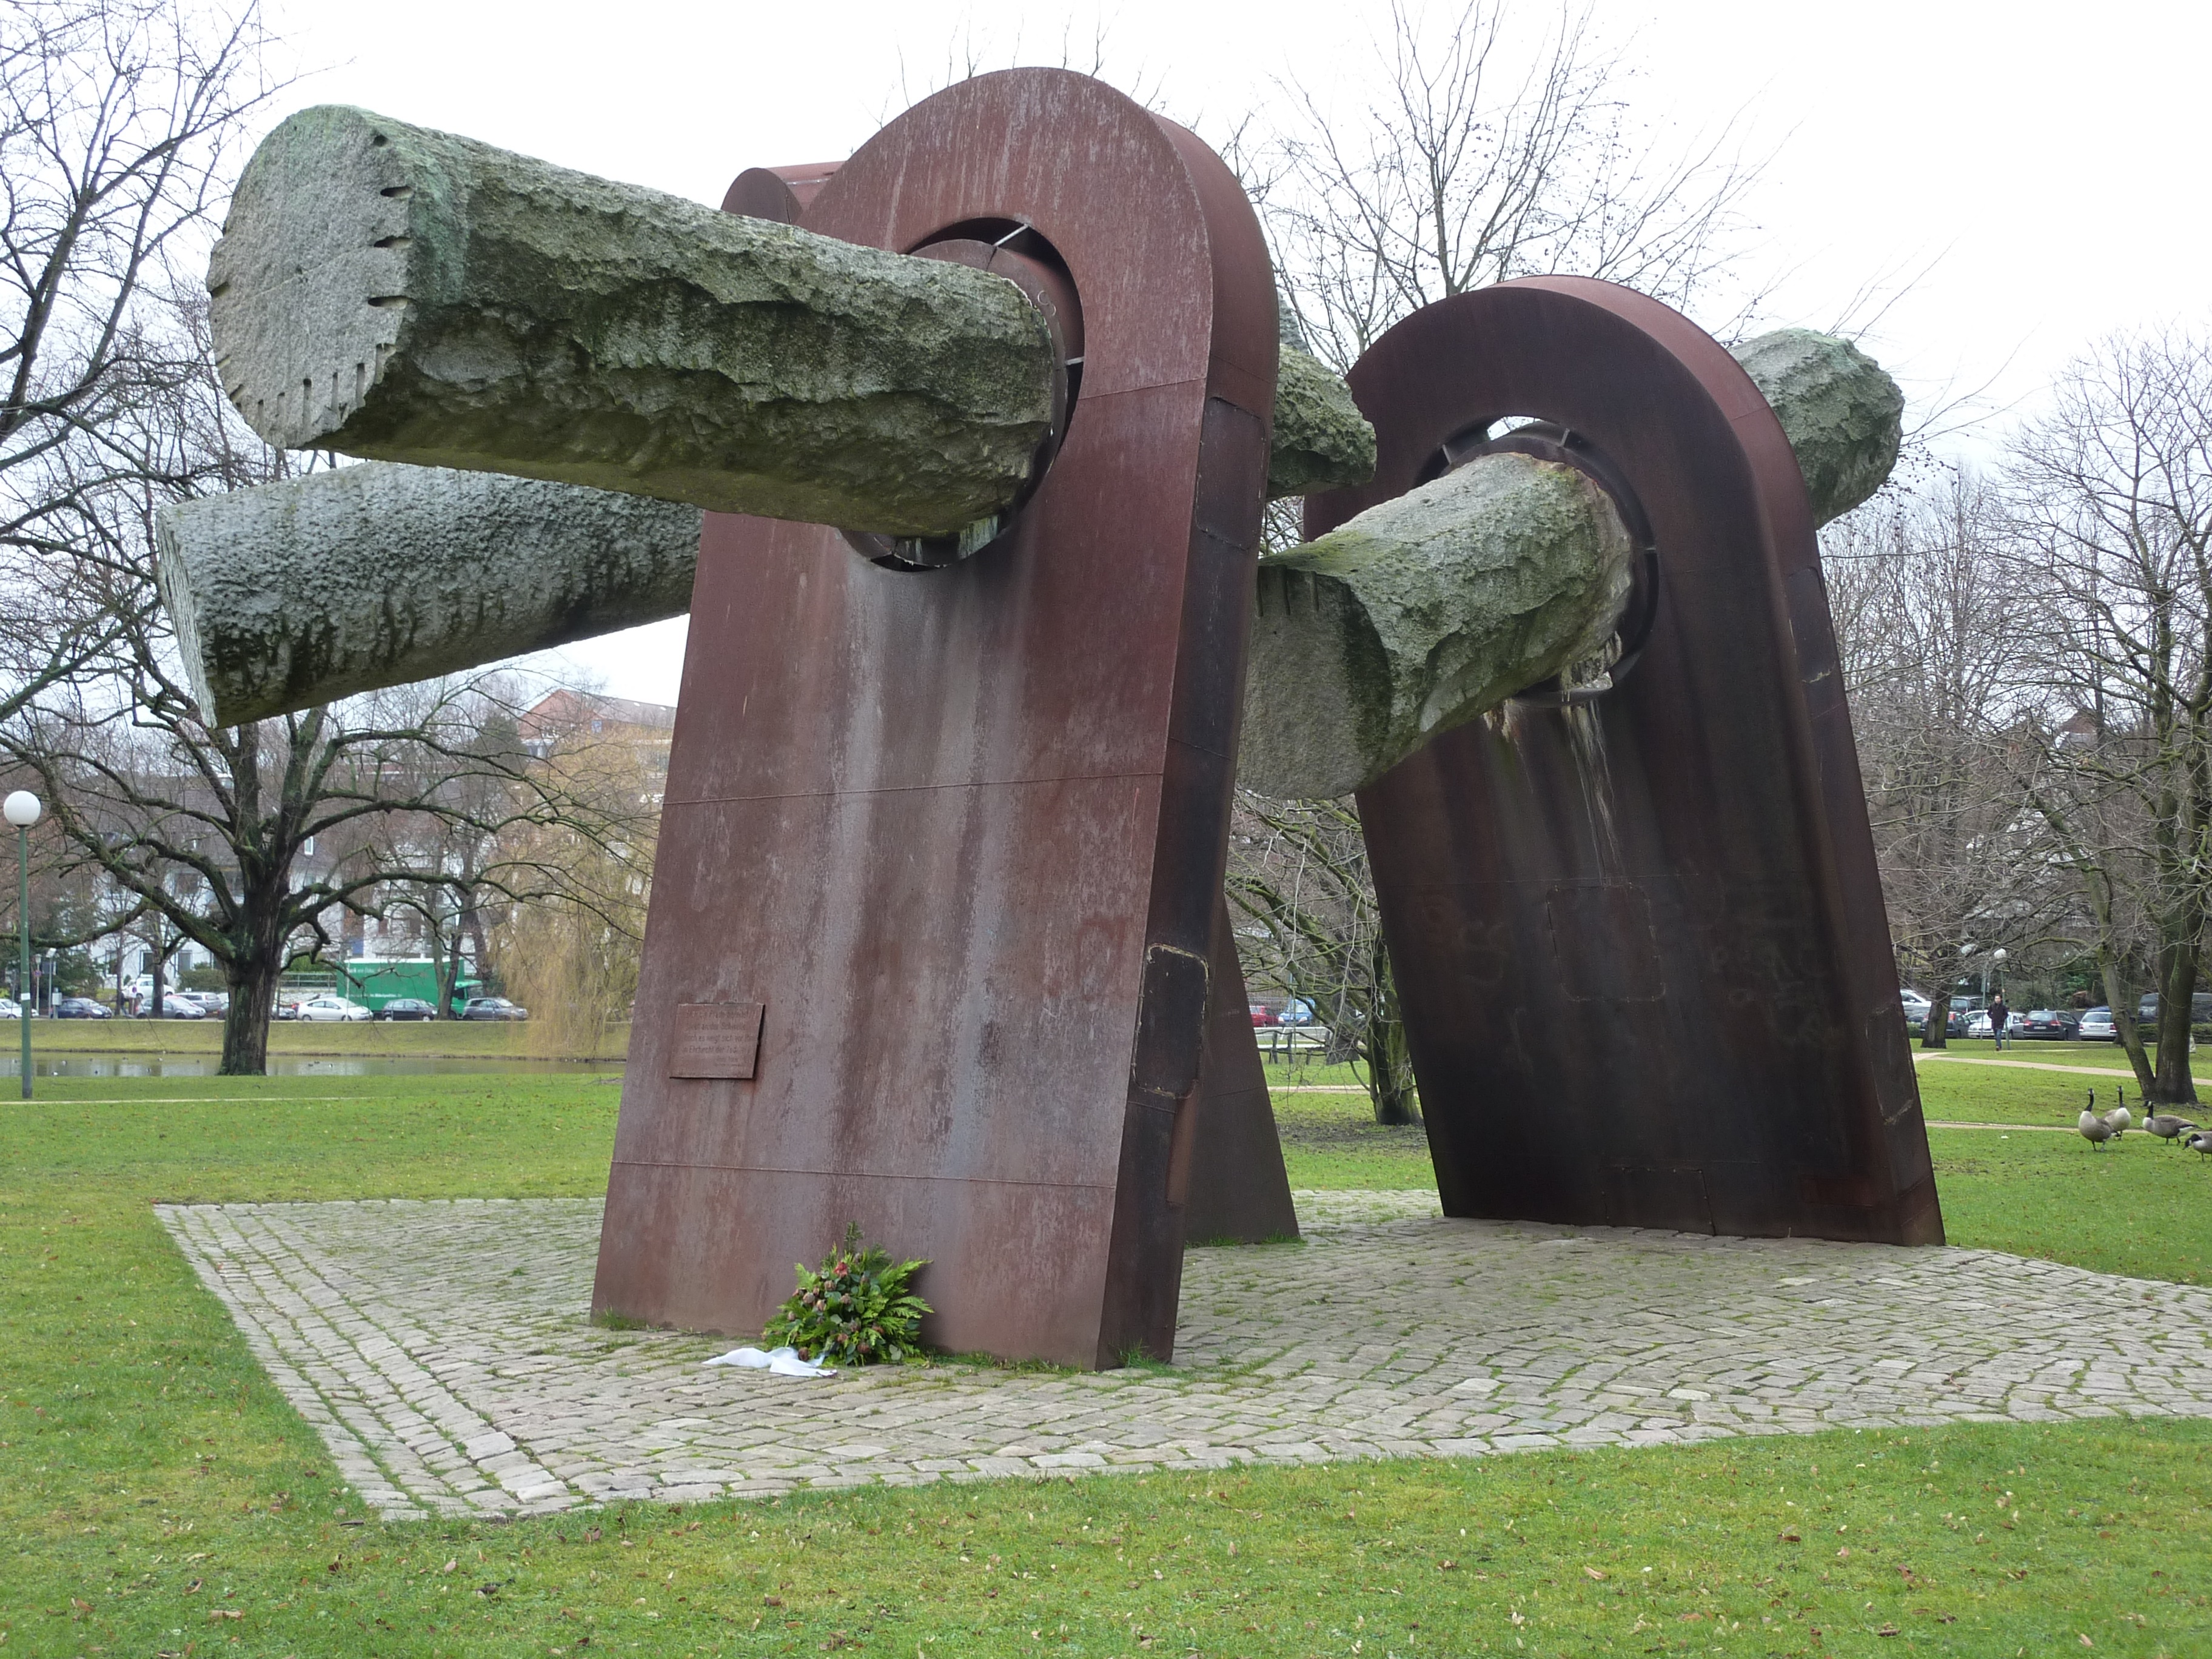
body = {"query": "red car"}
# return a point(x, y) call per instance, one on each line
point(1263, 1015)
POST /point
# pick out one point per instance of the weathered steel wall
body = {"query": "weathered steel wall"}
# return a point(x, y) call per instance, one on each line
point(1640, 940)
point(959, 832)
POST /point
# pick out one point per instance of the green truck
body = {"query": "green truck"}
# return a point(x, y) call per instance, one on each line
point(374, 981)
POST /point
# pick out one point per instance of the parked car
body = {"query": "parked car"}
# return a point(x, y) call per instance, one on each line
point(407, 1008)
point(81, 1008)
point(215, 1002)
point(492, 1008)
point(174, 1006)
point(1980, 1025)
point(329, 1006)
point(9, 1009)
point(1263, 1015)
point(2054, 1024)
point(2200, 1011)
point(2096, 1026)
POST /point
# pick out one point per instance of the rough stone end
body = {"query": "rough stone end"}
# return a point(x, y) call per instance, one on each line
point(1843, 415)
point(310, 282)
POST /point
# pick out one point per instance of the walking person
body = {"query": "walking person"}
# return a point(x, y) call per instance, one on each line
point(2000, 1016)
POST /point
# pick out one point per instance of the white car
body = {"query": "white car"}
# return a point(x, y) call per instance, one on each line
point(332, 1007)
point(10, 1009)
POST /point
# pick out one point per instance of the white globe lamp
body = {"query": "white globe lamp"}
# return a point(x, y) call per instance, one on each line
point(21, 808)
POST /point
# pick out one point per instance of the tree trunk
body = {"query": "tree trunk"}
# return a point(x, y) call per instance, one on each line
point(449, 967)
point(2116, 997)
point(252, 982)
point(473, 920)
point(2171, 1082)
point(1935, 1030)
point(1389, 1065)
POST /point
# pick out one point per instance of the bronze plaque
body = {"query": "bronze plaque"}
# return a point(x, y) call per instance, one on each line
point(716, 1039)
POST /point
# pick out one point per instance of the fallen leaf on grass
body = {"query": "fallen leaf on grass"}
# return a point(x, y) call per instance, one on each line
point(215, 1613)
point(1592, 1572)
point(1790, 1537)
point(1887, 1630)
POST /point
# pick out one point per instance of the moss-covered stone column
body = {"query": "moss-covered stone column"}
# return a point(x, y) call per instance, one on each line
point(301, 592)
point(1424, 611)
point(403, 294)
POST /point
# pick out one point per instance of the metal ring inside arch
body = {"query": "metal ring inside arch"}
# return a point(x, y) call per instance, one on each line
point(1617, 382)
point(1016, 251)
point(1012, 248)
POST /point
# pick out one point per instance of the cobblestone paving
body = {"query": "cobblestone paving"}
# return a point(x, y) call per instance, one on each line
point(442, 1350)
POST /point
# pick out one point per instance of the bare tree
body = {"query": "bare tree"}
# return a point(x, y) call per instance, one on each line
point(1930, 625)
point(574, 955)
point(118, 121)
point(1480, 162)
point(2111, 540)
point(1299, 874)
point(207, 828)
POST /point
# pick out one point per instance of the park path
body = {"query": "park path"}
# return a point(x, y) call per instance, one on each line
point(442, 1350)
point(1925, 1056)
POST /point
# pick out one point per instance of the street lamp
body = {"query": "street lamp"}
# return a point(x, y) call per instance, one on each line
point(21, 809)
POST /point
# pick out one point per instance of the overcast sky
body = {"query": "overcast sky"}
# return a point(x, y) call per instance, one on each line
point(2039, 173)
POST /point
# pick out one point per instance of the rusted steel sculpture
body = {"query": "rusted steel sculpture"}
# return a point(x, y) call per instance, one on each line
point(941, 852)
point(1233, 1187)
point(1639, 939)
point(936, 939)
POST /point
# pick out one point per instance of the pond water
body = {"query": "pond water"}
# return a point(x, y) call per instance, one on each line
point(299, 1066)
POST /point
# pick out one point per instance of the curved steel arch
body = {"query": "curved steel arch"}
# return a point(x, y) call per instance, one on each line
point(942, 850)
point(1640, 942)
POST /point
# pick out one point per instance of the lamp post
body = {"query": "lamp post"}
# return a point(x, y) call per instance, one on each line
point(21, 809)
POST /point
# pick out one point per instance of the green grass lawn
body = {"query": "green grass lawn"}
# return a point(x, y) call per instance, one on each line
point(428, 1039)
point(152, 1483)
point(2019, 1090)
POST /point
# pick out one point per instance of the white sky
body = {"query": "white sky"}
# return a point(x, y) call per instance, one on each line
point(2041, 172)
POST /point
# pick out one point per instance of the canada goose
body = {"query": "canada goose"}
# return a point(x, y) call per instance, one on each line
point(2200, 1143)
point(2166, 1127)
point(2095, 1130)
point(2118, 1117)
